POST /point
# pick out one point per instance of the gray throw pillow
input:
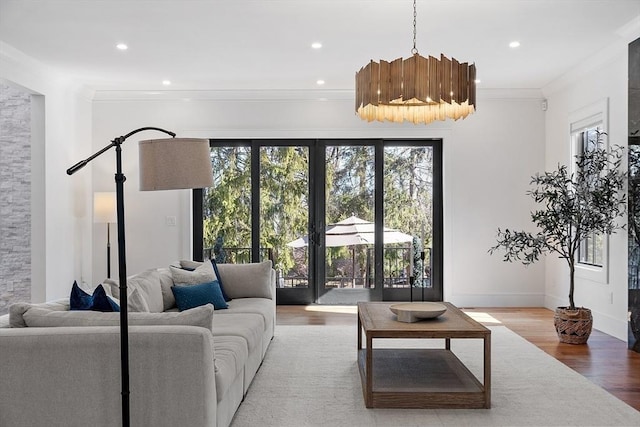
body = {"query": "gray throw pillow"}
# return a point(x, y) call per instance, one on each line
point(17, 310)
point(166, 282)
point(197, 273)
point(144, 291)
point(247, 280)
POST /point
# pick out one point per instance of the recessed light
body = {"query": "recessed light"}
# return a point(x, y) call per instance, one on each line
point(166, 82)
point(316, 45)
point(477, 81)
point(320, 82)
point(514, 44)
point(122, 46)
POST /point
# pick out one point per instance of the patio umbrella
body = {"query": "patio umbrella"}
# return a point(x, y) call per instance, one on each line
point(354, 231)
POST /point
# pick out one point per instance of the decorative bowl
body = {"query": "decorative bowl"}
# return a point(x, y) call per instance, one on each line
point(415, 311)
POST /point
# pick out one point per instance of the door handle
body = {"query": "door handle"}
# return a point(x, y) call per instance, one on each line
point(314, 236)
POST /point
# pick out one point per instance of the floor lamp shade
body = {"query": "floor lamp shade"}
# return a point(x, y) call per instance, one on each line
point(175, 163)
point(104, 207)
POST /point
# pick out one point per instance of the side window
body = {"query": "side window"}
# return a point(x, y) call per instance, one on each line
point(585, 126)
point(591, 250)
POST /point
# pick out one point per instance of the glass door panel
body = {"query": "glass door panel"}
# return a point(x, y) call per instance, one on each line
point(349, 233)
point(284, 218)
point(408, 220)
point(227, 206)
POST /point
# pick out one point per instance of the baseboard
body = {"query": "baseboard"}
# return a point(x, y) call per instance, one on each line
point(497, 300)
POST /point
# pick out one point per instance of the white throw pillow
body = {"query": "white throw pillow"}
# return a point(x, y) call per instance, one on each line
point(42, 318)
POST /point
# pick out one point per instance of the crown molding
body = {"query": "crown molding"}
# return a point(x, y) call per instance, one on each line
point(276, 95)
point(34, 76)
point(222, 95)
point(627, 33)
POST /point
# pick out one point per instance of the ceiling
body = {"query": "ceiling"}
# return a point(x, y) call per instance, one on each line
point(266, 44)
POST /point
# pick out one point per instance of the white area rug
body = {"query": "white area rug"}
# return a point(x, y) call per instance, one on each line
point(310, 377)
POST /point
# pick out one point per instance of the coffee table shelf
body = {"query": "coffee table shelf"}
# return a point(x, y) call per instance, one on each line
point(420, 378)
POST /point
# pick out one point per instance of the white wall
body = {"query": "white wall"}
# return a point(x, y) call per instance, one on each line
point(489, 159)
point(489, 162)
point(60, 233)
point(604, 77)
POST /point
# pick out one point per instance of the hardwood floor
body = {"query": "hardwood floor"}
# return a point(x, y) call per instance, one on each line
point(604, 360)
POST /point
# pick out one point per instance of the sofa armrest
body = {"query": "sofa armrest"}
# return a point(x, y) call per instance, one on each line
point(71, 376)
point(253, 280)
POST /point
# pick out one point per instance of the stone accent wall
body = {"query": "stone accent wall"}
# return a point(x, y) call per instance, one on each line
point(15, 196)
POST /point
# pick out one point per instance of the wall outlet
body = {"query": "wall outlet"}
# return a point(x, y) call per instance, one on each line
point(170, 221)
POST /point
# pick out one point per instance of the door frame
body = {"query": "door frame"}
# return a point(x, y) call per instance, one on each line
point(317, 207)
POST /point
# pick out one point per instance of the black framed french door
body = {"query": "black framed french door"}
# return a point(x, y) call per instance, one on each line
point(343, 220)
point(379, 203)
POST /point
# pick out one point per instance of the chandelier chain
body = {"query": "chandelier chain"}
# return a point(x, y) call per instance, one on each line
point(415, 14)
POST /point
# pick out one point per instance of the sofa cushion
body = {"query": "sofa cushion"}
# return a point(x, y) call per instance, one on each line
point(17, 310)
point(246, 325)
point(190, 296)
point(261, 306)
point(149, 291)
point(231, 356)
point(251, 280)
point(98, 301)
point(41, 317)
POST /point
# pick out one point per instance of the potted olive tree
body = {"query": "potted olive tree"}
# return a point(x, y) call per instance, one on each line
point(573, 206)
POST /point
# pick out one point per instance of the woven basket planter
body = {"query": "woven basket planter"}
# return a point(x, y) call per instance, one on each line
point(573, 326)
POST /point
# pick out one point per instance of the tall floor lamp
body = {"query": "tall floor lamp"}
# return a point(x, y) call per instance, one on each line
point(165, 164)
point(104, 211)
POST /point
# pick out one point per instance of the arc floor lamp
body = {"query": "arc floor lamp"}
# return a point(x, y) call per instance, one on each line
point(165, 164)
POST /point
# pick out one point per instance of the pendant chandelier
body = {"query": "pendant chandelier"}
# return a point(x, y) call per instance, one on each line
point(417, 89)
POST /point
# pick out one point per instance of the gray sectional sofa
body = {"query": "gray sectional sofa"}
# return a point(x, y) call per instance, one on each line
point(189, 368)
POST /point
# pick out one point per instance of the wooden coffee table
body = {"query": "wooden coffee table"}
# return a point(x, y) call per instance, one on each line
point(420, 378)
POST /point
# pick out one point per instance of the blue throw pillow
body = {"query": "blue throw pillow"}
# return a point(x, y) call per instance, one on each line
point(215, 269)
point(79, 299)
point(190, 296)
point(99, 301)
